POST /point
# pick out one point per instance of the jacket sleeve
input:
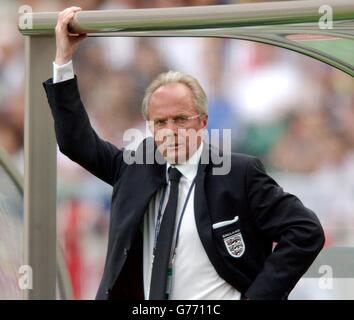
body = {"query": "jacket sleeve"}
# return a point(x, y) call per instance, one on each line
point(281, 218)
point(75, 136)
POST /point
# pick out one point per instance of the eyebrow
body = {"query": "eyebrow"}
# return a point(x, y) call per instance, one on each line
point(179, 115)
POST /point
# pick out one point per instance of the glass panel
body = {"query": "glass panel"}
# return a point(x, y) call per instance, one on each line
point(11, 237)
point(340, 49)
point(277, 23)
point(293, 112)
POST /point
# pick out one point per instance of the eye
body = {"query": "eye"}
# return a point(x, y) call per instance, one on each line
point(181, 120)
point(160, 122)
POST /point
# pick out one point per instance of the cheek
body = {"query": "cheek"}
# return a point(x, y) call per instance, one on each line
point(158, 143)
point(192, 136)
point(160, 136)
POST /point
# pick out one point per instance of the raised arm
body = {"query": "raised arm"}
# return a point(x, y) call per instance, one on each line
point(75, 135)
point(66, 43)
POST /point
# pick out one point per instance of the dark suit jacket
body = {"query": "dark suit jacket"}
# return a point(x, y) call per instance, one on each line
point(266, 214)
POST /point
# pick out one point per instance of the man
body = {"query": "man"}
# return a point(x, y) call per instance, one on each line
point(177, 229)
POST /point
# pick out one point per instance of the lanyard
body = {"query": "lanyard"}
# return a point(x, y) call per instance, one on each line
point(159, 217)
point(157, 229)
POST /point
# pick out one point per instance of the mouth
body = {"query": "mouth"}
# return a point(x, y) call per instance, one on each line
point(172, 146)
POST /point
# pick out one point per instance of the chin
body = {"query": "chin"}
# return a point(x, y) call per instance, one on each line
point(175, 157)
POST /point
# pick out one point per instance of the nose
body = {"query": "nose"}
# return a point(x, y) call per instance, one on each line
point(171, 125)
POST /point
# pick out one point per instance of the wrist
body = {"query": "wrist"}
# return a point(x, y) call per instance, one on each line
point(60, 60)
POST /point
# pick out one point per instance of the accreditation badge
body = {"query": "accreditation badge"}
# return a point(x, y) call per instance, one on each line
point(169, 281)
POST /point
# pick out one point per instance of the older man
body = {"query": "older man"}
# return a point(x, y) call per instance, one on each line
point(177, 229)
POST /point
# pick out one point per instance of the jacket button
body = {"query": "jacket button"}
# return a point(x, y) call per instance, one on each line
point(126, 251)
point(108, 291)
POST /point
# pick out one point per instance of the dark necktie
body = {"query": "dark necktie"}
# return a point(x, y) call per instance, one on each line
point(164, 240)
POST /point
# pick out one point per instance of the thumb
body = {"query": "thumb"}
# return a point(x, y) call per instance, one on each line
point(78, 38)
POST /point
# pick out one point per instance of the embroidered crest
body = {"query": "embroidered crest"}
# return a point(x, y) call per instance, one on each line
point(234, 243)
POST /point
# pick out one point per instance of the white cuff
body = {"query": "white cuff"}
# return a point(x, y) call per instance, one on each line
point(63, 72)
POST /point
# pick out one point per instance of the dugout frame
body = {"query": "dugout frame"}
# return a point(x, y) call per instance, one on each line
point(301, 26)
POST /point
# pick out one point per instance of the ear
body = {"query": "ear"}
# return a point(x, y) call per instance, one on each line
point(204, 120)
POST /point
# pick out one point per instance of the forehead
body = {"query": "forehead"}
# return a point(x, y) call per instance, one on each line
point(172, 98)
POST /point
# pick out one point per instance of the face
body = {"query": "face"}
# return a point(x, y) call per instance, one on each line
point(175, 122)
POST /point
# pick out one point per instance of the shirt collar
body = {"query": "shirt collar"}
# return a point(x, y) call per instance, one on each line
point(190, 167)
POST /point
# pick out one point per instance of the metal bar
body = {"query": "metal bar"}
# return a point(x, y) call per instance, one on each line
point(40, 172)
point(64, 284)
point(263, 22)
point(11, 170)
point(269, 23)
point(198, 17)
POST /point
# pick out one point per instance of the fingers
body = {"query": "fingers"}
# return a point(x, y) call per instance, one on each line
point(66, 42)
point(66, 20)
point(67, 12)
point(65, 17)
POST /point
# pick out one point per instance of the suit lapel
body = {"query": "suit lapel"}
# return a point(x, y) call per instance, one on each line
point(201, 210)
point(148, 177)
point(203, 215)
point(140, 183)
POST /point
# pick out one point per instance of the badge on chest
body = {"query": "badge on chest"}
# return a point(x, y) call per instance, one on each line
point(234, 243)
point(230, 233)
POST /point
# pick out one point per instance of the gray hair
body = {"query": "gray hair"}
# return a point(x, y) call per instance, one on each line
point(200, 98)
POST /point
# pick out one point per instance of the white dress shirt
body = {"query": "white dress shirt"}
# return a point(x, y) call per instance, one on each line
point(63, 72)
point(194, 277)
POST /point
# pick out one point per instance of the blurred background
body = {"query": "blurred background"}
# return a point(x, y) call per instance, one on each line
point(295, 113)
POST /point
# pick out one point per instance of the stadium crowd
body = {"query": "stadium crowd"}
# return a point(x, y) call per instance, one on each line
point(293, 112)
